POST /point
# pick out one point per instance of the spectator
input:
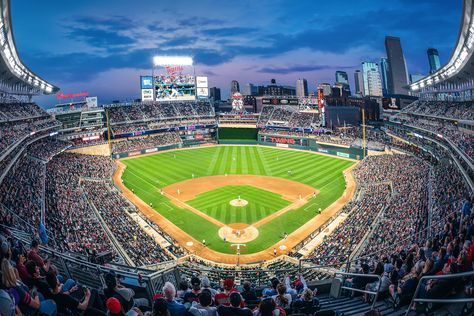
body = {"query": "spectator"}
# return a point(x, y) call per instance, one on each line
point(203, 308)
point(235, 308)
point(123, 294)
point(175, 308)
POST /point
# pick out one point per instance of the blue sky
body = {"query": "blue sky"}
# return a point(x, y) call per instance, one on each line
point(104, 46)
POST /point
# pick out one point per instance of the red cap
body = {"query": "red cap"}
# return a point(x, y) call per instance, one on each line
point(157, 296)
point(113, 305)
point(228, 283)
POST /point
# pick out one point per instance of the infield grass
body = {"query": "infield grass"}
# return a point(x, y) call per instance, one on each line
point(147, 174)
point(261, 203)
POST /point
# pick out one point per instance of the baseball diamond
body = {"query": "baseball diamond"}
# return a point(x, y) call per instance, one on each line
point(311, 182)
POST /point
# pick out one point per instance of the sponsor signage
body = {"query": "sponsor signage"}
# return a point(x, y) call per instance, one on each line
point(343, 155)
point(147, 94)
point(278, 101)
point(151, 150)
point(89, 138)
point(61, 95)
point(146, 82)
point(202, 92)
point(322, 150)
point(281, 140)
point(201, 82)
point(91, 102)
point(134, 153)
point(282, 145)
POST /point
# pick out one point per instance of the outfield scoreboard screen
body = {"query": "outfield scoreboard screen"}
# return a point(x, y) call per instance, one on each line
point(175, 87)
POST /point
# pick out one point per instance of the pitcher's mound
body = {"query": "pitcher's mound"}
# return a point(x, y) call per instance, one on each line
point(239, 202)
point(238, 233)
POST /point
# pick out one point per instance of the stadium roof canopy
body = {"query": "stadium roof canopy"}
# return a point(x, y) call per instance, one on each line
point(15, 77)
point(458, 73)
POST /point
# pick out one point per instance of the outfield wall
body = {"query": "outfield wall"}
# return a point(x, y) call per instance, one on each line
point(145, 151)
point(237, 134)
point(310, 144)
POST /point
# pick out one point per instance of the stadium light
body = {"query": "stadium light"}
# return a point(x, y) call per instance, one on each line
point(172, 60)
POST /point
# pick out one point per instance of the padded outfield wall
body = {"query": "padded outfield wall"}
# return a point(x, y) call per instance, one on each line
point(310, 144)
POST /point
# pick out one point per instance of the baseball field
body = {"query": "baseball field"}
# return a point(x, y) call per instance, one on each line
point(249, 194)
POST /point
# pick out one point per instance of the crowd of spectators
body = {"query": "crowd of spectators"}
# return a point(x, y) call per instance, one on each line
point(114, 210)
point(47, 147)
point(12, 132)
point(288, 117)
point(15, 111)
point(453, 110)
point(68, 213)
point(152, 141)
point(160, 111)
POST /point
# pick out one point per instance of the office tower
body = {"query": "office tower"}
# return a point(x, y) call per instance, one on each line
point(234, 87)
point(398, 79)
point(215, 93)
point(301, 88)
point(372, 80)
point(326, 88)
point(250, 89)
point(433, 59)
point(359, 82)
point(341, 77)
point(384, 75)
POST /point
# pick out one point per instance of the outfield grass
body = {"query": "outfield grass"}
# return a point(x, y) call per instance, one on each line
point(261, 203)
point(146, 175)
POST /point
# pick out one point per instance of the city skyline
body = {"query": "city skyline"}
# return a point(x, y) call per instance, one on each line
point(104, 52)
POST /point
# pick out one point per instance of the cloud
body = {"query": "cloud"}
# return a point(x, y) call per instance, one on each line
point(229, 31)
point(300, 68)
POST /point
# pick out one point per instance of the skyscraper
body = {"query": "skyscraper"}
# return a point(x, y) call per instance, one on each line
point(372, 80)
point(359, 82)
point(215, 93)
point(301, 88)
point(234, 87)
point(326, 88)
point(341, 77)
point(384, 74)
point(250, 89)
point(398, 78)
point(433, 59)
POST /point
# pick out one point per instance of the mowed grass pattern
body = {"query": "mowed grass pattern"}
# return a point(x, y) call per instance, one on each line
point(146, 175)
point(261, 203)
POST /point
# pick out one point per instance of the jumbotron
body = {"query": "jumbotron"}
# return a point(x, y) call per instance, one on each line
point(265, 204)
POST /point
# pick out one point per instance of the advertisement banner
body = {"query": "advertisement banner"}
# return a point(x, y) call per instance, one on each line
point(281, 140)
point(91, 102)
point(201, 82)
point(343, 155)
point(147, 94)
point(146, 82)
point(282, 145)
point(151, 150)
point(202, 92)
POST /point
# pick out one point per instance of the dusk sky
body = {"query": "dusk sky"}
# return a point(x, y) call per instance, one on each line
point(102, 47)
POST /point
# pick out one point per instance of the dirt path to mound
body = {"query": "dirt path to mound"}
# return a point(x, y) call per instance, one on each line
point(288, 189)
point(196, 247)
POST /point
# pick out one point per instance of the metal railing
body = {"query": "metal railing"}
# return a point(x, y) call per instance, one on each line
point(375, 293)
point(440, 300)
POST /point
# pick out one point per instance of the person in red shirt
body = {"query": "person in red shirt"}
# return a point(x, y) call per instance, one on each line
point(222, 298)
point(20, 260)
point(34, 256)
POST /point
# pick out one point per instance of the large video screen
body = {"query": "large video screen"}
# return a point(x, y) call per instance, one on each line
point(175, 87)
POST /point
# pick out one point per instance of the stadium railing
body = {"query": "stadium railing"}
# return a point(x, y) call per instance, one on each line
point(440, 300)
point(352, 289)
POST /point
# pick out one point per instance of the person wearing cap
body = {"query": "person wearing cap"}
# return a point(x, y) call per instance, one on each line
point(203, 308)
point(206, 285)
point(33, 254)
point(114, 308)
point(123, 294)
point(175, 308)
point(222, 298)
point(192, 295)
point(235, 309)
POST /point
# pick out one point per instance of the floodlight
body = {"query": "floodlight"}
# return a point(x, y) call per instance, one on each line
point(172, 61)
